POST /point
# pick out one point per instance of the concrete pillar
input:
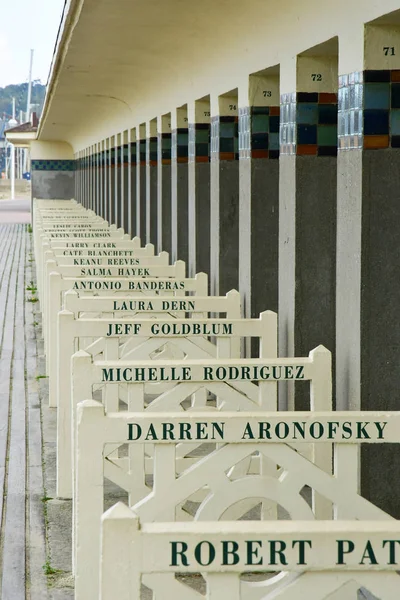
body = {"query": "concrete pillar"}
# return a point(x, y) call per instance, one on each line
point(117, 181)
point(164, 220)
point(133, 170)
point(77, 177)
point(93, 177)
point(106, 176)
point(142, 184)
point(368, 293)
point(90, 176)
point(82, 155)
point(81, 184)
point(111, 182)
point(83, 166)
point(151, 182)
point(121, 182)
point(98, 187)
point(84, 178)
point(78, 165)
point(259, 192)
point(199, 186)
point(307, 211)
point(179, 184)
point(87, 177)
point(125, 179)
point(101, 179)
point(224, 190)
point(97, 178)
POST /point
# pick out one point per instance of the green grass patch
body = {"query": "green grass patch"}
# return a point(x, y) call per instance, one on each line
point(29, 228)
point(48, 569)
point(32, 299)
point(41, 377)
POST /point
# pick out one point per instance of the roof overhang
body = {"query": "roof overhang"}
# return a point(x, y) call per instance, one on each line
point(121, 63)
point(21, 139)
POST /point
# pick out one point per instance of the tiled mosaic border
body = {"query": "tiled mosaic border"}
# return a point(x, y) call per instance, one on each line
point(369, 110)
point(125, 155)
point(180, 145)
point(133, 154)
point(309, 124)
point(152, 151)
point(164, 148)
point(224, 138)
point(53, 165)
point(259, 132)
point(142, 152)
point(199, 142)
point(111, 156)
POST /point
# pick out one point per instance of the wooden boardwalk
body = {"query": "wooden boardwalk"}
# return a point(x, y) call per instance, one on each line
point(22, 529)
point(15, 211)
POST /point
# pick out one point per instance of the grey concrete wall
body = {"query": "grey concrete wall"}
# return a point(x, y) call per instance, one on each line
point(153, 205)
point(166, 215)
point(245, 235)
point(258, 238)
point(112, 199)
point(368, 296)
point(100, 192)
point(315, 270)
point(142, 200)
point(202, 218)
point(174, 210)
point(105, 191)
point(214, 225)
point(191, 217)
point(182, 202)
point(380, 325)
point(228, 226)
point(264, 235)
point(118, 203)
point(53, 184)
point(133, 201)
point(125, 219)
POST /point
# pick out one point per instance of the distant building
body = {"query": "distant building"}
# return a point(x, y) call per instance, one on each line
point(21, 136)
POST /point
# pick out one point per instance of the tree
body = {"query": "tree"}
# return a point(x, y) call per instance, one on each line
point(20, 93)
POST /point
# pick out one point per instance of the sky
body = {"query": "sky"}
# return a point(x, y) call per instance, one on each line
point(26, 25)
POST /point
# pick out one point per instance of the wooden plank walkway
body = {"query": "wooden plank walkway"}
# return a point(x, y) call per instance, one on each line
point(15, 211)
point(22, 525)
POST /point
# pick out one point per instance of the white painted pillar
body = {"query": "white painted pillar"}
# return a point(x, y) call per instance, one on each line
point(120, 536)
